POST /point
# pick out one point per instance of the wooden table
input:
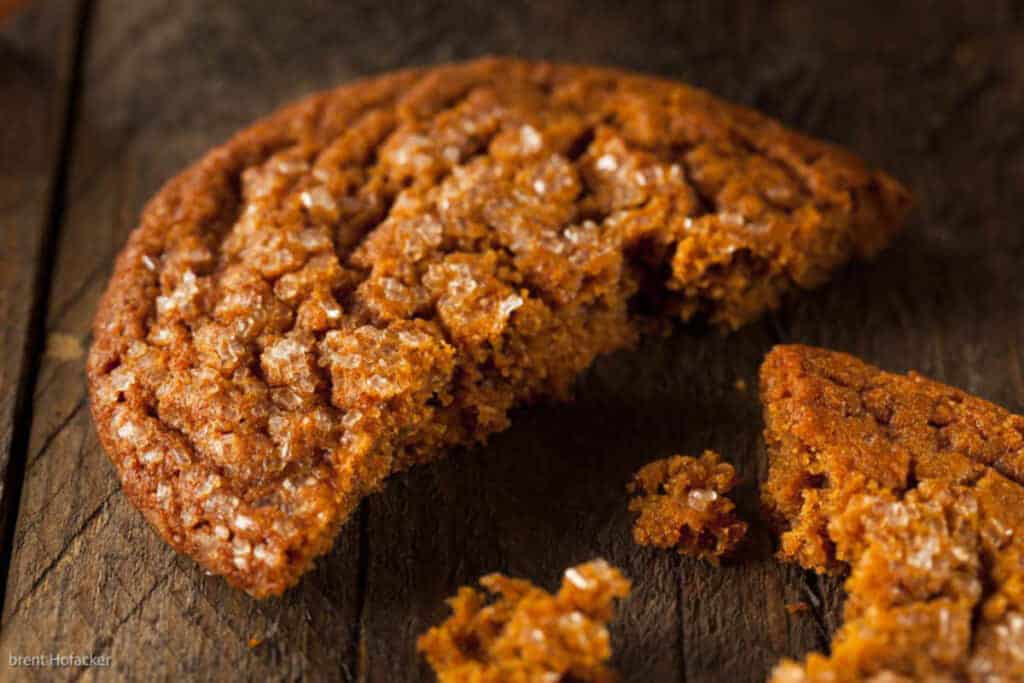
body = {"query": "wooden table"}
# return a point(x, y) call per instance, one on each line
point(101, 101)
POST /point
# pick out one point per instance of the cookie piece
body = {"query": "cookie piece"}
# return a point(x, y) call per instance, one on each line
point(382, 271)
point(918, 488)
point(682, 504)
point(527, 634)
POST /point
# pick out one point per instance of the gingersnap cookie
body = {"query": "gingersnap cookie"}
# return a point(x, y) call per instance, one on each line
point(382, 271)
point(918, 488)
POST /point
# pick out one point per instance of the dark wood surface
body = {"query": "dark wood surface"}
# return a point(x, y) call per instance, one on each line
point(101, 101)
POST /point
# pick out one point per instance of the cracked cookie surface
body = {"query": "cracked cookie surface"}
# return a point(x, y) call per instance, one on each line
point(383, 270)
point(917, 488)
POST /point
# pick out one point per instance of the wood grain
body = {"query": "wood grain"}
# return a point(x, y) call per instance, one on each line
point(933, 93)
point(37, 56)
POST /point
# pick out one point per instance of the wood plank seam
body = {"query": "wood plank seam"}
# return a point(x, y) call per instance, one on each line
point(32, 351)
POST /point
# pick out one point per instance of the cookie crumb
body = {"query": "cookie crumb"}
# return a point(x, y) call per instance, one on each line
point(525, 633)
point(682, 504)
point(741, 385)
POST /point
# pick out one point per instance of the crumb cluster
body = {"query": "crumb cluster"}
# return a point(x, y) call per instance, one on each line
point(917, 488)
point(682, 504)
point(525, 634)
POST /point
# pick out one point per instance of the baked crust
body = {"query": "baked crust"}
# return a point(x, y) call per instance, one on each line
point(917, 488)
point(381, 271)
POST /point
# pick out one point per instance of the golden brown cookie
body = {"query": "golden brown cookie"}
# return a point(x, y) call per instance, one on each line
point(917, 488)
point(381, 271)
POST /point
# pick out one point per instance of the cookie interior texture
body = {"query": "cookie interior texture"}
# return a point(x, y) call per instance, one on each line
point(520, 632)
point(381, 271)
point(917, 488)
point(683, 503)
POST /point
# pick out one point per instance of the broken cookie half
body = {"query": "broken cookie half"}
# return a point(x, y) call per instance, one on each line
point(918, 488)
point(382, 271)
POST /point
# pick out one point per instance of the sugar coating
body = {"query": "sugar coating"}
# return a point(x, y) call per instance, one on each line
point(382, 271)
point(917, 488)
point(525, 634)
point(682, 504)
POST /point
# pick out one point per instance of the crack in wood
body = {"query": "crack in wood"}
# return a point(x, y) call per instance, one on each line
point(56, 432)
point(65, 547)
point(40, 293)
point(60, 310)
